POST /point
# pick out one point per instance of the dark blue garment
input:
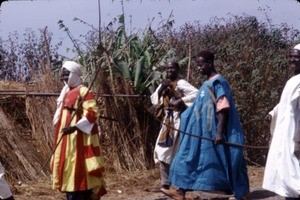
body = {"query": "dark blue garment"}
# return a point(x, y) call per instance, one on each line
point(199, 164)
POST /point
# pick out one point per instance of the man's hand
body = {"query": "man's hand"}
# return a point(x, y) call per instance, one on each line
point(166, 83)
point(174, 102)
point(163, 87)
point(222, 117)
point(297, 150)
point(219, 139)
point(69, 130)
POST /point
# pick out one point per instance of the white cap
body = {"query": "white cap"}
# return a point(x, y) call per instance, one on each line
point(297, 47)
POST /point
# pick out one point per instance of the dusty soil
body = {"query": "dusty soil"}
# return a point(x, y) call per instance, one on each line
point(133, 186)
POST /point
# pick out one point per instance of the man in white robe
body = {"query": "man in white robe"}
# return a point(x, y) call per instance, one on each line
point(5, 192)
point(282, 171)
point(165, 148)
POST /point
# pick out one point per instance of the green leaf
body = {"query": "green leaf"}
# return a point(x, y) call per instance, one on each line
point(138, 71)
point(123, 66)
point(120, 38)
point(169, 54)
point(148, 58)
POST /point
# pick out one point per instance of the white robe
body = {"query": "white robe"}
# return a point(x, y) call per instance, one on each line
point(5, 191)
point(282, 171)
point(189, 92)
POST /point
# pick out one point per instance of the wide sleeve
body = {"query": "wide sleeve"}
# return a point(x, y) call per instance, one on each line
point(188, 91)
point(219, 89)
point(273, 114)
point(296, 113)
point(90, 112)
point(222, 100)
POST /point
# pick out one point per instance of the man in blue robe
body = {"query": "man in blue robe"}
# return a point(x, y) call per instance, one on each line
point(210, 165)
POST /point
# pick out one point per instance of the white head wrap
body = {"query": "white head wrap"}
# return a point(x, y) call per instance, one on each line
point(73, 81)
point(75, 73)
point(297, 47)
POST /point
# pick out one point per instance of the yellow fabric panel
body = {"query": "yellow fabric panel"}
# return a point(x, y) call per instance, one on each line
point(63, 120)
point(69, 170)
point(92, 140)
point(87, 104)
point(94, 181)
point(94, 163)
point(70, 163)
point(56, 156)
point(55, 160)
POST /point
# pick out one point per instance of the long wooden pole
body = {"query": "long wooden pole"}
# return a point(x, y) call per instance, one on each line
point(24, 93)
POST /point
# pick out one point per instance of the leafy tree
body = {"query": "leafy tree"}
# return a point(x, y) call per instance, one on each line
point(23, 58)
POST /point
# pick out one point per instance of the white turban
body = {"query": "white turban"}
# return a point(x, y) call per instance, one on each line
point(297, 47)
point(73, 81)
point(75, 73)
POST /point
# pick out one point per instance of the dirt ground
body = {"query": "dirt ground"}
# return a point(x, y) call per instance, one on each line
point(133, 186)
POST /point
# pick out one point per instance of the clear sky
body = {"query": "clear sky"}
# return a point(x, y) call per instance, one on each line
point(17, 15)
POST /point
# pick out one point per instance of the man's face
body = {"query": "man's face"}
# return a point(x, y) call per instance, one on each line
point(171, 70)
point(294, 60)
point(203, 66)
point(65, 75)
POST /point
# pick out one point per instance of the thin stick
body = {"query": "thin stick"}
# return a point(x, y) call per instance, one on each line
point(212, 139)
point(99, 10)
point(189, 62)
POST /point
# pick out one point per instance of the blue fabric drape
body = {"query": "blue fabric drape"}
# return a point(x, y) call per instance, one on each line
point(199, 164)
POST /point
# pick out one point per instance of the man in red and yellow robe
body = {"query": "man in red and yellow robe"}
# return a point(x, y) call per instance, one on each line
point(77, 164)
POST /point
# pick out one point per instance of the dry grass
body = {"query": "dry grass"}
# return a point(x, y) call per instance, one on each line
point(132, 185)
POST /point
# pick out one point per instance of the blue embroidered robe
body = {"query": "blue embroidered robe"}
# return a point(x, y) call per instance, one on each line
point(199, 164)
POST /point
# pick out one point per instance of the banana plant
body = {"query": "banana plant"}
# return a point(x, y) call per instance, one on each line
point(134, 58)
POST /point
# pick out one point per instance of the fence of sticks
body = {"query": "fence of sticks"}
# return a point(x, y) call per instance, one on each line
point(127, 125)
point(26, 131)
